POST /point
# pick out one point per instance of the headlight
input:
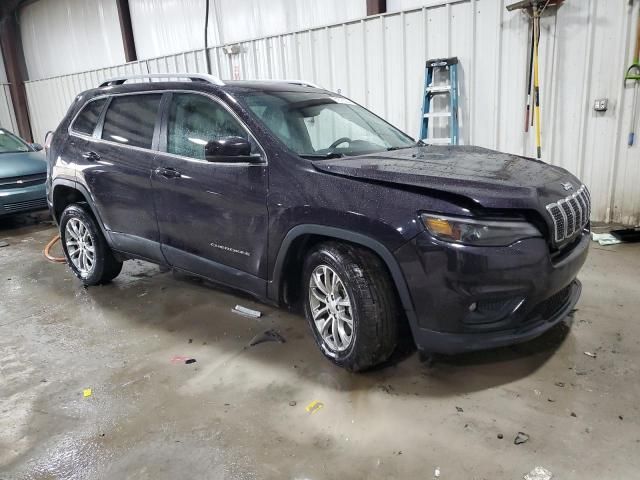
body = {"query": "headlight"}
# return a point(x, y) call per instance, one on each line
point(478, 232)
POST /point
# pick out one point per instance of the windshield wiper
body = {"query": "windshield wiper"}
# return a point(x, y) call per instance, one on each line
point(321, 156)
point(419, 143)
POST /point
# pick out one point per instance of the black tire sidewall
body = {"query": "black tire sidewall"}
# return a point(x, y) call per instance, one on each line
point(326, 256)
point(101, 248)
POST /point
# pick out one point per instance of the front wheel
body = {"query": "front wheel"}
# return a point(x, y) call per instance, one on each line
point(350, 304)
point(85, 247)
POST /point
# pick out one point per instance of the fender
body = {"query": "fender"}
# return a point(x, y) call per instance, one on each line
point(90, 201)
point(273, 288)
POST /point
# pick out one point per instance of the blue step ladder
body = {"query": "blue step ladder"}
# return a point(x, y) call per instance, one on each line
point(450, 67)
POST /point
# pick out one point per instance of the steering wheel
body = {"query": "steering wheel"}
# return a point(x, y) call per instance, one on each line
point(339, 141)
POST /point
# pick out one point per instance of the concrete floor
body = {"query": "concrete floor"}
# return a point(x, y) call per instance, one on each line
point(232, 415)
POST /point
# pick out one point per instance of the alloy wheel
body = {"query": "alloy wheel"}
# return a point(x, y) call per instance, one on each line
point(331, 308)
point(80, 246)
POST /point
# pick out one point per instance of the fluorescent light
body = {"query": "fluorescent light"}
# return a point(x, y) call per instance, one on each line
point(197, 141)
point(118, 138)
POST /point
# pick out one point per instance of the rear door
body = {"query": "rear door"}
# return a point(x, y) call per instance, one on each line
point(212, 216)
point(116, 168)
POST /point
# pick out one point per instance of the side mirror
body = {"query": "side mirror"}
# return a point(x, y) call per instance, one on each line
point(36, 146)
point(229, 149)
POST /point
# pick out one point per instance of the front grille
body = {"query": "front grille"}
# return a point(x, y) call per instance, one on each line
point(22, 181)
point(26, 205)
point(570, 214)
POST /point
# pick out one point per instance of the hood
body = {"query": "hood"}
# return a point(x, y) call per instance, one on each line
point(22, 164)
point(489, 178)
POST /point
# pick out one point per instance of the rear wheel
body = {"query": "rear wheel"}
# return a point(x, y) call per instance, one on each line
point(350, 304)
point(85, 247)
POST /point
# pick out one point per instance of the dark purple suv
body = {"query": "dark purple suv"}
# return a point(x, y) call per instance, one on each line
point(298, 195)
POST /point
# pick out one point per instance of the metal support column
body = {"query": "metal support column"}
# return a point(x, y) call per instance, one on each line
point(124, 16)
point(15, 67)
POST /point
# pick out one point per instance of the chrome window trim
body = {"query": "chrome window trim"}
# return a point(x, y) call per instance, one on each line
point(149, 150)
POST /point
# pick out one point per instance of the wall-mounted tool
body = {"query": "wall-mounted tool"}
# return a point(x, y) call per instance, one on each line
point(633, 74)
point(535, 9)
point(529, 78)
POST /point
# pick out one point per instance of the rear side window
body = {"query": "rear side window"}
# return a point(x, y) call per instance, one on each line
point(86, 120)
point(130, 119)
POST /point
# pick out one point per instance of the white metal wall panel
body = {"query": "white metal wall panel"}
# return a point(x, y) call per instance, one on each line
point(379, 62)
point(163, 27)
point(64, 36)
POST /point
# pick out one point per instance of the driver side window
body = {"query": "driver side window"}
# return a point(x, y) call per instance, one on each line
point(194, 120)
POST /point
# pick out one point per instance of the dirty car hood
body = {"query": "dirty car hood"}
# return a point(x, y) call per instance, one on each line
point(489, 178)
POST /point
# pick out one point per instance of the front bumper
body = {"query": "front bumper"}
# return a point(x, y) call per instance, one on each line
point(24, 199)
point(470, 298)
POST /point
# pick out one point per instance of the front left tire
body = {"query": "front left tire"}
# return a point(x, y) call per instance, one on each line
point(85, 248)
point(351, 305)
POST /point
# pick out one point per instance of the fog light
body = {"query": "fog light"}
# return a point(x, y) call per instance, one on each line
point(473, 306)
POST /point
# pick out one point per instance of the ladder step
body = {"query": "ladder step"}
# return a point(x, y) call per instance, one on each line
point(439, 89)
point(437, 114)
point(437, 141)
point(433, 89)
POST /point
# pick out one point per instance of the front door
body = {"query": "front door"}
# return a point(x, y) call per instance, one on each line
point(212, 216)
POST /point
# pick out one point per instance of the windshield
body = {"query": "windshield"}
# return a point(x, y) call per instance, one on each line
point(9, 143)
point(322, 125)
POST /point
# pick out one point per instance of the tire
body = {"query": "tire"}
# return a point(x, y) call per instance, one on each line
point(373, 334)
point(77, 221)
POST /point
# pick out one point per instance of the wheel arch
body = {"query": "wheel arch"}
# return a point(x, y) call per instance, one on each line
point(66, 192)
point(302, 237)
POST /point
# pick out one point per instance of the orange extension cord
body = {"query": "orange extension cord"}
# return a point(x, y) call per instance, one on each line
point(47, 251)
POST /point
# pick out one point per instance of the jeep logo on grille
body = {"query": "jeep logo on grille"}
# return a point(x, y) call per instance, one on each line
point(567, 186)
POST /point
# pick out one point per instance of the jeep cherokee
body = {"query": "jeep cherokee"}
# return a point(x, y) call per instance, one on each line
point(296, 194)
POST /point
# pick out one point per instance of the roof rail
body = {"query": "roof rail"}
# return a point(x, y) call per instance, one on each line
point(194, 77)
point(291, 81)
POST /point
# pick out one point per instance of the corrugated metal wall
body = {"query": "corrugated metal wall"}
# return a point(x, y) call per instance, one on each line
point(162, 27)
point(7, 115)
point(63, 36)
point(378, 61)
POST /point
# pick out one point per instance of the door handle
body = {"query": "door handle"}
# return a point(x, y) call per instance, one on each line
point(91, 156)
point(167, 172)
